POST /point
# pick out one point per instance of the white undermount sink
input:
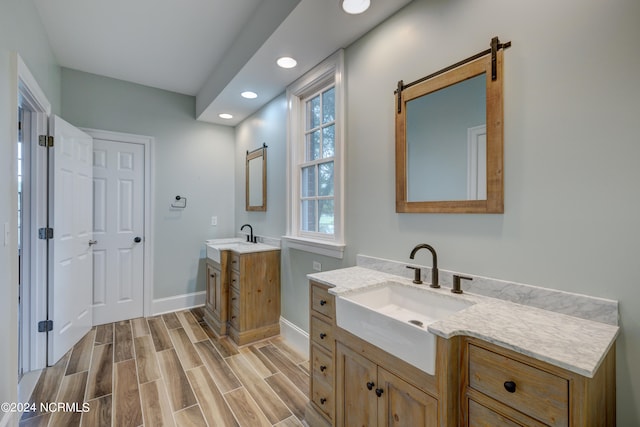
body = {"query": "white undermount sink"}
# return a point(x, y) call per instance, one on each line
point(238, 244)
point(214, 246)
point(395, 317)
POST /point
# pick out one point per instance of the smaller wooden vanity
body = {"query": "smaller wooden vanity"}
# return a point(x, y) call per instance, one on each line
point(243, 295)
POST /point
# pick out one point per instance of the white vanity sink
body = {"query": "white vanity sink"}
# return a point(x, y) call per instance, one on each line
point(237, 244)
point(395, 317)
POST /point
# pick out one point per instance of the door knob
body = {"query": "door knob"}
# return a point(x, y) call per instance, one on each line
point(137, 239)
point(92, 242)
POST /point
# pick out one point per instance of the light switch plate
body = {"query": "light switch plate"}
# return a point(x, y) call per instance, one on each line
point(317, 266)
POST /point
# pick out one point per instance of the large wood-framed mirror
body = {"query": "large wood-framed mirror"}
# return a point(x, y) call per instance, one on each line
point(256, 180)
point(449, 139)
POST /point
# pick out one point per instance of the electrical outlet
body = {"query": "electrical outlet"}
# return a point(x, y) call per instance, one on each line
point(214, 220)
point(317, 266)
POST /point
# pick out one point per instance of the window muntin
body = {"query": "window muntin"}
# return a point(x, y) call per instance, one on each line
point(316, 170)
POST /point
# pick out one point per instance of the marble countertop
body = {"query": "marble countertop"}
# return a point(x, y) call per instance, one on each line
point(571, 343)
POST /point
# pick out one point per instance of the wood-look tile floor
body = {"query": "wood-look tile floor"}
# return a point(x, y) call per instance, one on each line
point(170, 370)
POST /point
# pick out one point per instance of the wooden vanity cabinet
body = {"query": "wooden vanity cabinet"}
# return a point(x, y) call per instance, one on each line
point(320, 410)
point(369, 395)
point(505, 388)
point(217, 289)
point(254, 296)
point(343, 365)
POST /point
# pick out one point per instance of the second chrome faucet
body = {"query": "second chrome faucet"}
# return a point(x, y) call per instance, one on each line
point(434, 269)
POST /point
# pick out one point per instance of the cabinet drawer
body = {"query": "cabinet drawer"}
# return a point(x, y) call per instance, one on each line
point(322, 333)
point(537, 393)
point(481, 416)
point(322, 396)
point(322, 301)
point(321, 364)
point(234, 309)
point(235, 280)
point(235, 261)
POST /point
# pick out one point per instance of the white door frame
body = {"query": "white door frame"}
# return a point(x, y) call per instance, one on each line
point(148, 142)
point(34, 302)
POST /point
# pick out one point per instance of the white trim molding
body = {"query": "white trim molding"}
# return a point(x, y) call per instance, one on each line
point(295, 337)
point(178, 302)
point(331, 70)
point(326, 248)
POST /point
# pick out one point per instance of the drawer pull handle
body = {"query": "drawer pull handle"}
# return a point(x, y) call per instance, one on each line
point(370, 385)
point(379, 392)
point(323, 336)
point(323, 400)
point(510, 386)
point(323, 368)
point(323, 302)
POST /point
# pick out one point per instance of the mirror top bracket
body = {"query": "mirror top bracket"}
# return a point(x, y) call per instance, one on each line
point(264, 146)
point(493, 50)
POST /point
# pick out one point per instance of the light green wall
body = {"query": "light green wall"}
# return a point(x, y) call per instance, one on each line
point(268, 126)
point(571, 144)
point(192, 159)
point(21, 32)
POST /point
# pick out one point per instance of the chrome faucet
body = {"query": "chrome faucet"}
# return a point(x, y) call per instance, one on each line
point(250, 237)
point(434, 269)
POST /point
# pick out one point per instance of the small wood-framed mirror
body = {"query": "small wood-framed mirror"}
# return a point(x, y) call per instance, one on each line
point(256, 179)
point(449, 138)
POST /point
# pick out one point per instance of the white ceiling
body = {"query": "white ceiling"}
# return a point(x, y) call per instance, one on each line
point(212, 49)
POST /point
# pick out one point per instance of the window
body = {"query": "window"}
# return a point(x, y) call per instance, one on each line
point(315, 164)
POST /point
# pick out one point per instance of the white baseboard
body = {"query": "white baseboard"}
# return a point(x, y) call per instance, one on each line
point(178, 302)
point(295, 337)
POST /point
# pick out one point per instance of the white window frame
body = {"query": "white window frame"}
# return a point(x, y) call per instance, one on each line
point(329, 71)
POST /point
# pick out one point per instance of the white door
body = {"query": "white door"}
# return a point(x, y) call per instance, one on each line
point(477, 163)
point(70, 204)
point(118, 228)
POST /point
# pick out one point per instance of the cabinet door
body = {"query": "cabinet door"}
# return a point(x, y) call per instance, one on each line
point(211, 287)
point(402, 405)
point(356, 404)
point(219, 297)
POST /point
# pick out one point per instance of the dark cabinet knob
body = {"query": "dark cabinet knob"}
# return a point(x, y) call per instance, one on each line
point(323, 336)
point(323, 368)
point(510, 386)
point(379, 392)
point(323, 400)
point(323, 302)
point(370, 385)
point(137, 239)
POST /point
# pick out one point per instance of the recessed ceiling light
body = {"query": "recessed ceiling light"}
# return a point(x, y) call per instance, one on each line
point(249, 95)
point(225, 116)
point(355, 7)
point(286, 62)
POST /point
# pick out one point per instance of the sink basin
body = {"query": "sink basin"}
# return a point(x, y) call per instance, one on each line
point(215, 246)
point(395, 317)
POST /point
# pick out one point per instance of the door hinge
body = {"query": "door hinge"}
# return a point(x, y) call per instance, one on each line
point(45, 326)
point(45, 233)
point(45, 141)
